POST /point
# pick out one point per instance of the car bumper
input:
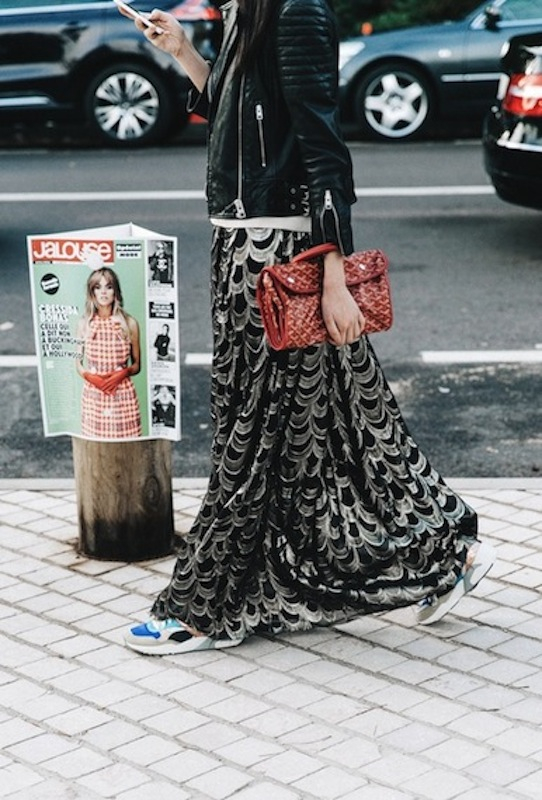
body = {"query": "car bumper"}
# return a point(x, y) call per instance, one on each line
point(513, 158)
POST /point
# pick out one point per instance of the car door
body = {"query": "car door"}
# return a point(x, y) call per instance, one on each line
point(485, 39)
point(39, 42)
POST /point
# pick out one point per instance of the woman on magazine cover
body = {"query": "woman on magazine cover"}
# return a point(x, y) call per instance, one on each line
point(110, 355)
point(320, 505)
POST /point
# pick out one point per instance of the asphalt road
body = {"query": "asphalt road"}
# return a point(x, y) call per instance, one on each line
point(466, 275)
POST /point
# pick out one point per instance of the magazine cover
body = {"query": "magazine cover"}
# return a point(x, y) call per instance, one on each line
point(106, 325)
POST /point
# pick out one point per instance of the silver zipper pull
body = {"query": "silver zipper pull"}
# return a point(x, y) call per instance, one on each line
point(328, 200)
point(240, 212)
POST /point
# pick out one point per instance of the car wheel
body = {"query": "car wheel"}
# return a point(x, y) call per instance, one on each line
point(128, 105)
point(393, 102)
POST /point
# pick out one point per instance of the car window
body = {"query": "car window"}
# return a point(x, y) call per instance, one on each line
point(512, 10)
point(51, 4)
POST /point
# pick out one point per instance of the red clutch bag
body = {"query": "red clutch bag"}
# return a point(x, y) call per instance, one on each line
point(289, 296)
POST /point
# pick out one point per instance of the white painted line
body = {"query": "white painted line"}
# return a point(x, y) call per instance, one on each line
point(198, 359)
point(91, 197)
point(18, 361)
point(425, 191)
point(427, 356)
point(194, 194)
point(191, 360)
point(481, 356)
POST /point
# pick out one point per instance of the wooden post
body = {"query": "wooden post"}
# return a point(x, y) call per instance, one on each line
point(124, 499)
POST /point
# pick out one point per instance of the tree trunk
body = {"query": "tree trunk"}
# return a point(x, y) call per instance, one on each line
point(124, 499)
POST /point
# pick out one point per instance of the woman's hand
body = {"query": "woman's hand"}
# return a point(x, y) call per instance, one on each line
point(169, 35)
point(114, 379)
point(96, 380)
point(343, 319)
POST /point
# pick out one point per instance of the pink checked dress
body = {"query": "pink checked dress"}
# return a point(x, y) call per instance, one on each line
point(109, 416)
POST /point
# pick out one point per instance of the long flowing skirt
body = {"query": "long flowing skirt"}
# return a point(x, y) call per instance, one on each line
point(320, 505)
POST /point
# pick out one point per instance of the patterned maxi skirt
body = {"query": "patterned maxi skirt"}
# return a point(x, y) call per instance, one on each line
point(320, 505)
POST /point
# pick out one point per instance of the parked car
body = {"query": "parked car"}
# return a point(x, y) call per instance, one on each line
point(399, 84)
point(512, 139)
point(81, 60)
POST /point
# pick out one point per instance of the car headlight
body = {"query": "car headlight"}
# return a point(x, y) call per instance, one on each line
point(348, 50)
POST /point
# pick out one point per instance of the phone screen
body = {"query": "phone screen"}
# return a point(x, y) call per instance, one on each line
point(135, 14)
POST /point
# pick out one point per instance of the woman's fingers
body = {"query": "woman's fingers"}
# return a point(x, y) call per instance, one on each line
point(346, 333)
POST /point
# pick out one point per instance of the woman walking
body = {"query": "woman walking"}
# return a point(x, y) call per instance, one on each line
point(320, 505)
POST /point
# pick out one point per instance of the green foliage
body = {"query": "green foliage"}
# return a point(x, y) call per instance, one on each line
point(351, 13)
point(397, 13)
point(418, 12)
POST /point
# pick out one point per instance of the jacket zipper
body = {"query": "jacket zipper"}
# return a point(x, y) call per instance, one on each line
point(240, 212)
point(330, 207)
point(259, 120)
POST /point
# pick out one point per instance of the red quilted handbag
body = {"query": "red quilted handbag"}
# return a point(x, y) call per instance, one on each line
point(289, 296)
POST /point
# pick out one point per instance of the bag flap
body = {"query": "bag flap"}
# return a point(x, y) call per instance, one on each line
point(305, 277)
point(365, 266)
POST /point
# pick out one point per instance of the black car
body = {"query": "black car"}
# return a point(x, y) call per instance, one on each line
point(399, 84)
point(513, 128)
point(81, 60)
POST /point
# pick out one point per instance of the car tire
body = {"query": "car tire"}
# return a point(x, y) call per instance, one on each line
point(393, 102)
point(128, 105)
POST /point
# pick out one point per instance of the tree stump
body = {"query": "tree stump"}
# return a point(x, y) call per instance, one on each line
point(124, 499)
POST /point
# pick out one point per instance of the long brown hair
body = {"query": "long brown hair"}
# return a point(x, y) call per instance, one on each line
point(254, 19)
point(117, 310)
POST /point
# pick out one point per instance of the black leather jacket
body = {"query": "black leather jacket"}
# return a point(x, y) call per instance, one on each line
point(275, 147)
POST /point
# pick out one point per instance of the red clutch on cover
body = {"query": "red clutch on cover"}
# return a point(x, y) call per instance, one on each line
point(289, 296)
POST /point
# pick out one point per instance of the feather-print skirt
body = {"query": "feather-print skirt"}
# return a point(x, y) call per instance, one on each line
point(320, 505)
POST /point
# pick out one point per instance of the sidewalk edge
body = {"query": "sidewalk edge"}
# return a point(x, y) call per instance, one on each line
point(186, 484)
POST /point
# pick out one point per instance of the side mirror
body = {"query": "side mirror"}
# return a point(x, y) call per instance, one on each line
point(492, 17)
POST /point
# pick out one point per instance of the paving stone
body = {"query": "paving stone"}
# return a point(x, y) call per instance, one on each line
point(330, 783)
point(41, 748)
point(502, 769)
point(249, 751)
point(439, 784)
point(220, 783)
point(111, 780)
point(17, 778)
point(79, 761)
point(289, 766)
point(146, 750)
point(267, 791)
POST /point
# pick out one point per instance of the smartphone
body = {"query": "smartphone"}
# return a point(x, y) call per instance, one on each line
point(136, 15)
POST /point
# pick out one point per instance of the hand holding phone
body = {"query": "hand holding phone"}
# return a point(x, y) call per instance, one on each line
point(132, 12)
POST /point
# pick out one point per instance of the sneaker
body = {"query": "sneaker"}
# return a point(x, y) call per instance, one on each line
point(165, 637)
point(433, 608)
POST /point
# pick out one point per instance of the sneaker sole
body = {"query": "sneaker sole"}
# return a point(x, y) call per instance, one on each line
point(486, 556)
point(193, 645)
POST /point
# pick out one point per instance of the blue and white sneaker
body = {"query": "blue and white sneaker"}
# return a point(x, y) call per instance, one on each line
point(165, 637)
point(433, 608)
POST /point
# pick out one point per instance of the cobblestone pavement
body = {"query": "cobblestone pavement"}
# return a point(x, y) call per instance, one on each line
point(377, 709)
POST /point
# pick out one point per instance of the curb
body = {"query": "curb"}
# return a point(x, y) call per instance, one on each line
point(187, 484)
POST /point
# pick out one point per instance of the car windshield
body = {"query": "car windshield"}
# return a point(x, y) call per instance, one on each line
point(514, 10)
point(520, 9)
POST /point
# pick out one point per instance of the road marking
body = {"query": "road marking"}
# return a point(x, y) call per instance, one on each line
point(427, 356)
point(481, 356)
point(198, 359)
point(189, 194)
point(18, 361)
point(425, 191)
point(191, 360)
point(92, 197)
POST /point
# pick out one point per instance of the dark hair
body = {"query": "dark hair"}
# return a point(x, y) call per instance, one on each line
point(254, 19)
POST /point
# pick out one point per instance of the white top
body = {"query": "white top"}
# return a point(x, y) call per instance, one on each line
point(301, 224)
